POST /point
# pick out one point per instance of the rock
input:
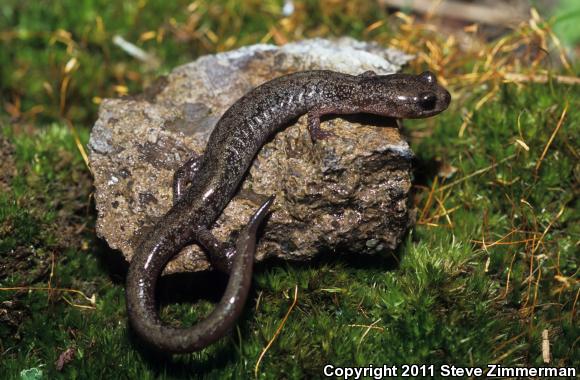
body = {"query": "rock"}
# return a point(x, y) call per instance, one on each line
point(347, 193)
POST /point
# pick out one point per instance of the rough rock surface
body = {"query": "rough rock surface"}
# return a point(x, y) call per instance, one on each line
point(344, 193)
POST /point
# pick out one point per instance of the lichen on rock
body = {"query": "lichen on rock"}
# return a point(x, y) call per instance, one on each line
point(346, 193)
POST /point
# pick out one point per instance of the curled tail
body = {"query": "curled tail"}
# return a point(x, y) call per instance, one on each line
point(141, 296)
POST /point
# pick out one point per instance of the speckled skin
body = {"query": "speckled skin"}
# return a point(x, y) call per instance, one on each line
point(215, 177)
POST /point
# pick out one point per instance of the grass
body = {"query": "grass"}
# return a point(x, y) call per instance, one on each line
point(491, 264)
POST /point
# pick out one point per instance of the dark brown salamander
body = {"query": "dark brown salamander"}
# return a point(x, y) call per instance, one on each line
point(214, 179)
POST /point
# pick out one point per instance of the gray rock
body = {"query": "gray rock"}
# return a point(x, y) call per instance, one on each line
point(347, 193)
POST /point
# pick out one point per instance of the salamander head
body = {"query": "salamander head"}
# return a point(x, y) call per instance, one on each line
point(403, 95)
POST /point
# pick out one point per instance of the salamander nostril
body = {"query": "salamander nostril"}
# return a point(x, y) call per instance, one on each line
point(427, 101)
point(428, 77)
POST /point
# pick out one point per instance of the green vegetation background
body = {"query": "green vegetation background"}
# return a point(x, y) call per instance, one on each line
point(454, 298)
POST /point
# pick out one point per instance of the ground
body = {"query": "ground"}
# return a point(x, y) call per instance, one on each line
point(489, 274)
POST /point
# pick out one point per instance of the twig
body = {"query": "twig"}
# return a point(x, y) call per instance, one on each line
point(135, 51)
point(540, 78)
point(497, 15)
point(546, 346)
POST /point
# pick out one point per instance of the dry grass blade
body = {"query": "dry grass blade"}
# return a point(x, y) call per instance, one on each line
point(560, 122)
point(558, 215)
point(367, 330)
point(91, 300)
point(429, 201)
point(278, 330)
point(573, 313)
point(78, 143)
point(477, 172)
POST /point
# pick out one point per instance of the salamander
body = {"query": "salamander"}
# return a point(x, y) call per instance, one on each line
point(205, 184)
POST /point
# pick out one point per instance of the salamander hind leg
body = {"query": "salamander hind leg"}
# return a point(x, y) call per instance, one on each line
point(316, 133)
point(220, 254)
point(184, 176)
point(221, 320)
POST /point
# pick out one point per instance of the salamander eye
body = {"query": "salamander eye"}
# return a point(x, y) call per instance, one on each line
point(427, 100)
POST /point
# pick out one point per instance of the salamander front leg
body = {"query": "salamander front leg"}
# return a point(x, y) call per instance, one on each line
point(368, 74)
point(316, 133)
point(184, 176)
